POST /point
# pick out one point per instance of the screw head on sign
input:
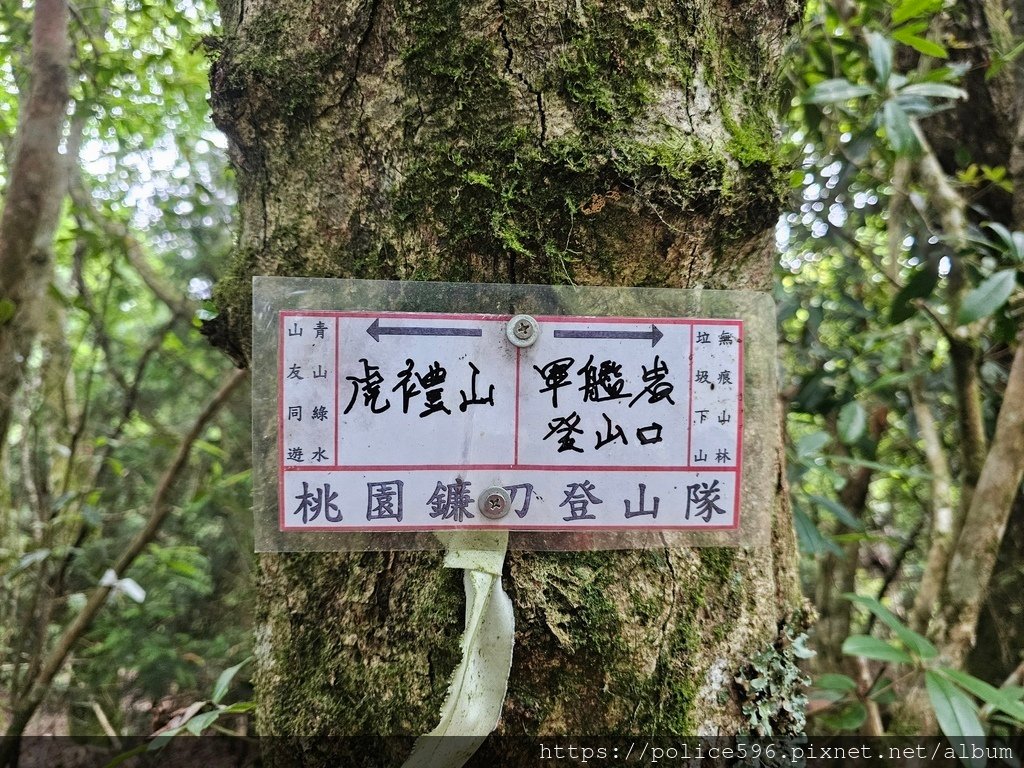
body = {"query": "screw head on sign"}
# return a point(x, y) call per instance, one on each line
point(522, 330)
point(495, 502)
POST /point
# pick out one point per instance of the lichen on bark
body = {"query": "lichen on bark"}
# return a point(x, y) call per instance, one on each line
point(629, 143)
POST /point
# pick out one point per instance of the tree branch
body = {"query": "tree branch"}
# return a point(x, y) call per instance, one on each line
point(948, 203)
point(1016, 168)
point(180, 305)
point(942, 518)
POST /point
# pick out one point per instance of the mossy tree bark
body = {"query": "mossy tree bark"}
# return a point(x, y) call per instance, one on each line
point(622, 143)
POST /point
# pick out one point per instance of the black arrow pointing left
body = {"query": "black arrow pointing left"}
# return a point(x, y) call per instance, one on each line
point(376, 330)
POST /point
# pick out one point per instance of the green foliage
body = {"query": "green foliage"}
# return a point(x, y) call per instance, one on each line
point(949, 690)
point(121, 373)
point(853, 422)
point(859, 323)
point(990, 295)
point(893, 273)
point(196, 721)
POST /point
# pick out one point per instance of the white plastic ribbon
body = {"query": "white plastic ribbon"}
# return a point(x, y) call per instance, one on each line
point(477, 689)
point(129, 587)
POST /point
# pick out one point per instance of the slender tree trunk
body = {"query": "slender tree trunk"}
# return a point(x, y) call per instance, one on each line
point(837, 577)
point(1000, 637)
point(35, 190)
point(991, 122)
point(624, 143)
point(973, 560)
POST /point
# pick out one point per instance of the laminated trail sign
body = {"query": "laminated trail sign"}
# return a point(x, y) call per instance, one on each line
point(573, 418)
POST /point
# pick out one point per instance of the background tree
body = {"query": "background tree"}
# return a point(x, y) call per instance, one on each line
point(35, 190)
point(622, 144)
point(123, 450)
point(907, 223)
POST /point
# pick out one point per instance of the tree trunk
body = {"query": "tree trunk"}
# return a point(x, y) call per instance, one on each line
point(625, 143)
point(1000, 637)
point(990, 122)
point(35, 190)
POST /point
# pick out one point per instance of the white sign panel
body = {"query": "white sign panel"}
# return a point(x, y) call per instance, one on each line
point(400, 421)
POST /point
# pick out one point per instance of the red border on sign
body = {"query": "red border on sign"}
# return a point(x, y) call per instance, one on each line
point(739, 423)
point(498, 527)
point(338, 315)
point(280, 422)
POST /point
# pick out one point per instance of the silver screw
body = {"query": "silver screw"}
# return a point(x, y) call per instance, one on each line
point(495, 502)
point(522, 330)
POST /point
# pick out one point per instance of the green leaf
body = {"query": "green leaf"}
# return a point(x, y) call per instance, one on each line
point(909, 9)
point(890, 468)
point(921, 45)
point(996, 697)
point(882, 692)
point(934, 90)
point(837, 509)
point(811, 539)
point(873, 648)
point(849, 718)
point(864, 538)
point(891, 380)
point(199, 723)
point(835, 91)
point(239, 707)
point(831, 696)
point(209, 448)
point(1018, 245)
point(159, 742)
point(853, 421)
point(919, 286)
point(898, 129)
point(830, 681)
point(1000, 61)
point(1015, 692)
point(953, 709)
point(915, 28)
point(880, 50)
point(27, 560)
point(809, 446)
point(918, 644)
point(1014, 241)
point(224, 681)
point(919, 106)
point(987, 297)
point(239, 477)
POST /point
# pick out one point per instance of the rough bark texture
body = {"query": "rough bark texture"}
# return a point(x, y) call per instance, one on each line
point(630, 143)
